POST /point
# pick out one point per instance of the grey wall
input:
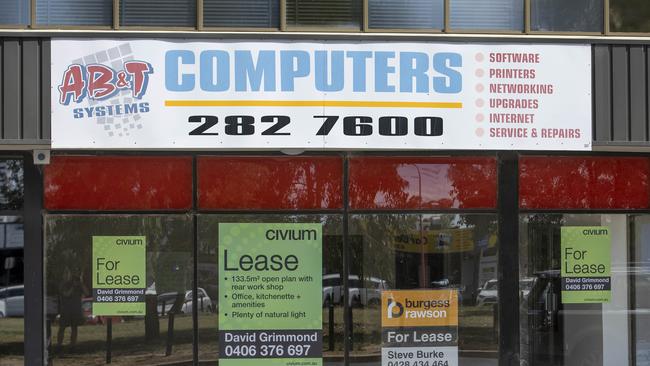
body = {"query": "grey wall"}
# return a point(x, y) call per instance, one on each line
point(24, 92)
point(620, 94)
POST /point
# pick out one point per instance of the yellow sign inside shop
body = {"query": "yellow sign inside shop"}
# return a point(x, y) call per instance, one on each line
point(442, 241)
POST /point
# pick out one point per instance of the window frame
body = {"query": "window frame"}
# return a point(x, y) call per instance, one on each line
point(363, 21)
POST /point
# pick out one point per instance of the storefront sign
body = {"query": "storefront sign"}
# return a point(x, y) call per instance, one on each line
point(119, 273)
point(270, 300)
point(155, 94)
point(586, 264)
point(419, 327)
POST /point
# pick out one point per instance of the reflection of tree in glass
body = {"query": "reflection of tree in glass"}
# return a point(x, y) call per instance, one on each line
point(11, 184)
point(373, 244)
point(379, 183)
point(563, 15)
point(629, 15)
point(297, 183)
point(583, 182)
point(539, 241)
point(473, 183)
point(169, 252)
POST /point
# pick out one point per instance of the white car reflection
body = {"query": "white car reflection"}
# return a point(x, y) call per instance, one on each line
point(166, 302)
point(361, 293)
point(488, 293)
point(12, 300)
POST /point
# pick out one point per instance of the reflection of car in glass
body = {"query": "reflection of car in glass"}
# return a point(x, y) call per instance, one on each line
point(362, 293)
point(369, 293)
point(166, 302)
point(488, 294)
point(12, 301)
point(446, 284)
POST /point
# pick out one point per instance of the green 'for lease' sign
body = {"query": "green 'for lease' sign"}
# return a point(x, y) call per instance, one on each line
point(270, 294)
point(586, 264)
point(119, 273)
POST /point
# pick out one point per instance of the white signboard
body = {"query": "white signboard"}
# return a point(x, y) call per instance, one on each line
point(154, 94)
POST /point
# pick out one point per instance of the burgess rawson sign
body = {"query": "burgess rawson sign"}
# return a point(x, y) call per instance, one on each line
point(155, 94)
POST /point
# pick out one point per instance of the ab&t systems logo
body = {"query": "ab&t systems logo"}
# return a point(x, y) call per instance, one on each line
point(97, 83)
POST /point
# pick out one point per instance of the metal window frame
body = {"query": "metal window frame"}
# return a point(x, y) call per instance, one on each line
point(364, 24)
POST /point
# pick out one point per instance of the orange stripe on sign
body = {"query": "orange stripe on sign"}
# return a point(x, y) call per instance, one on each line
point(310, 103)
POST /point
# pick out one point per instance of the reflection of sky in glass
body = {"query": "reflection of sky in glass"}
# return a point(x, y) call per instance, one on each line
point(436, 184)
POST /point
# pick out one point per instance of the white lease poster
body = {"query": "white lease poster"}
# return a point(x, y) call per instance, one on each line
point(181, 94)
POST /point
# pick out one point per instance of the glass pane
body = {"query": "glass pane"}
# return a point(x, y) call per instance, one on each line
point(78, 334)
point(564, 320)
point(146, 182)
point(576, 182)
point(11, 291)
point(422, 183)
point(74, 12)
point(456, 253)
point(208, 234)
point(14, 12)
point(298, 183)
point(158, 13)
point(324, 13)
point(11, 184)
point(567, 16)
point(629, 16)
point(241, 13)
point(492, 15)
point(396, 14)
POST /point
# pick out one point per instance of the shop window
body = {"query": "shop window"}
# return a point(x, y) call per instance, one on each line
point(567, 16)
point(157, 249)
point(118, 183)
point(324, 13)
point(158, 13)
point(584, 182)
point(629, 16)
point(487, 15)
point(584, 289)
point(266, 183)
point(331, 271)
point(406, 14)
point(241, 13)
point(12, 280)
point(411, 255)
point(12, 286)
point(14, 12)
point(74, 12)
point(422, 183)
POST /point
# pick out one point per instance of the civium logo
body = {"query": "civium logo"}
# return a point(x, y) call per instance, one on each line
point(392, 304)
